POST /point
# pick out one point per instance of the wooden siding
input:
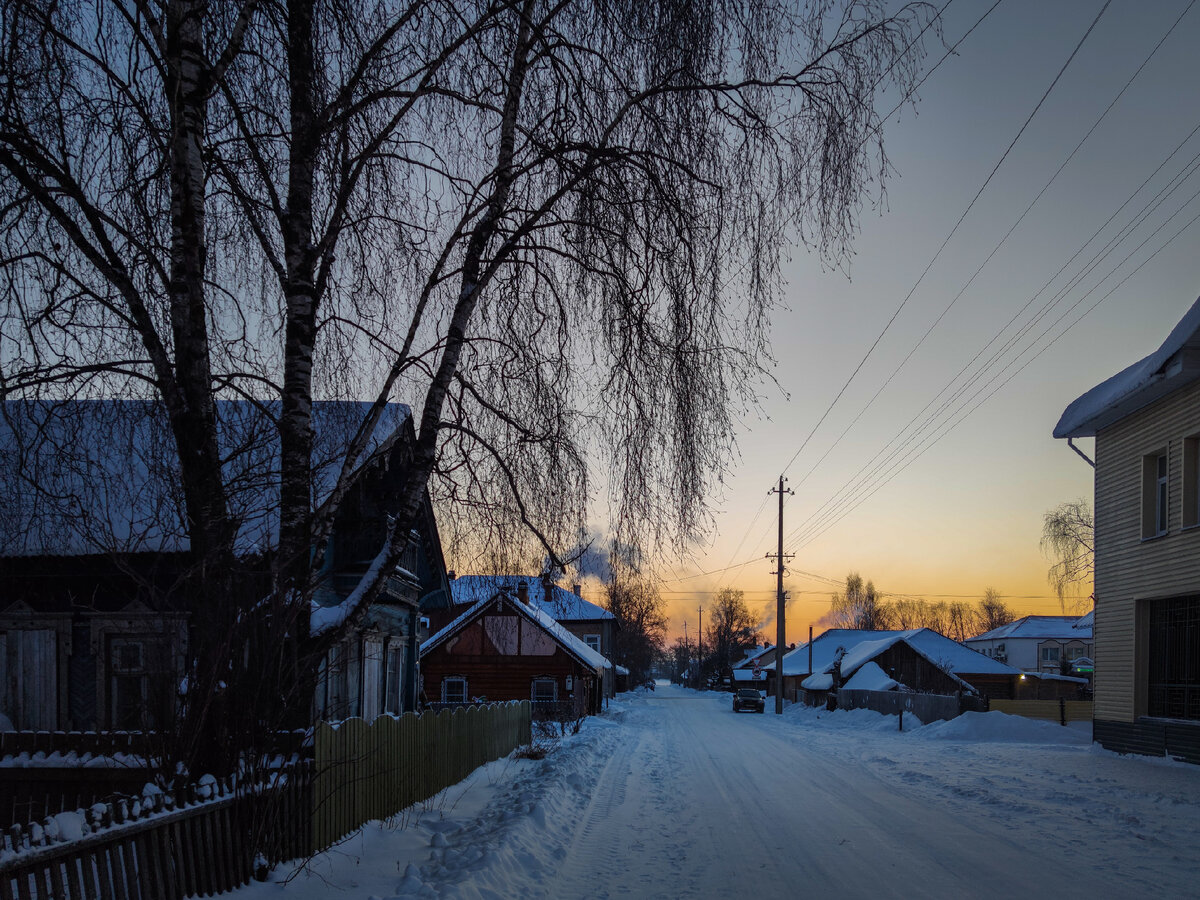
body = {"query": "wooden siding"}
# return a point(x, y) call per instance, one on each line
point(504, 673)
point(1128, 568)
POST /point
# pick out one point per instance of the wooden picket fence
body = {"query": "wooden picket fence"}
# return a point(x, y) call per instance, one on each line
point(366, 772)
point(200, 840)
point(206, 839)
point(1061, 711)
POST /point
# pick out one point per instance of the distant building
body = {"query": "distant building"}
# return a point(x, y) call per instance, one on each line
point(1036, 643)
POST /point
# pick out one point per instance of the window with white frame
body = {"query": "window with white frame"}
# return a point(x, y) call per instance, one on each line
point(593, 641)
point(454, 689)
point(1050, 655)
point(1155, 494)
point(545, 690)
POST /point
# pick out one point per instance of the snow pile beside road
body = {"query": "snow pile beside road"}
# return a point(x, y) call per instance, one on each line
point(1000, 727)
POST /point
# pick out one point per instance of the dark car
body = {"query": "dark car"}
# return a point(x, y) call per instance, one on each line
point(748, 698)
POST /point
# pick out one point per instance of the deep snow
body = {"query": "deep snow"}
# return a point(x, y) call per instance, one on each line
point(669, 794)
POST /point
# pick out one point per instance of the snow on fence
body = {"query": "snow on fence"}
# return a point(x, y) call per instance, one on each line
point(210, 838)
point(366, 772)
point(1061, 711)
point(197, 840)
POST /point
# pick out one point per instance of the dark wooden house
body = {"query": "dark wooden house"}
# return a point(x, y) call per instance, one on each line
point(93, 631)
point(503, 647)
point(592, 624)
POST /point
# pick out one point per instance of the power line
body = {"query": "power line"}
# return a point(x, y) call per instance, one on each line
point(1001, 243)
point(930, 442)
point(949, 237)
point(1138, 218)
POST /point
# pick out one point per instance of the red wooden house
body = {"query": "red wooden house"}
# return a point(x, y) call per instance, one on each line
point(505, 648)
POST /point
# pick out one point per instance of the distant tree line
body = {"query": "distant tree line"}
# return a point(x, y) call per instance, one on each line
point(860, 606)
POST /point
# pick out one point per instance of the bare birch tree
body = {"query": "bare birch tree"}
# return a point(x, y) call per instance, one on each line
point(552, 227)
point(1068, 538)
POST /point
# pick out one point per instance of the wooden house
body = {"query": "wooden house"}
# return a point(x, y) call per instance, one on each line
point(93, 545)
point(592, 624)
point(1146, 425)
point(920, 660)
point(505, 648)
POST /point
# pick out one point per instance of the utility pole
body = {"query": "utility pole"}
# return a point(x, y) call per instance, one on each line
point(780, 596)
point(687, 657)
point(700, 642)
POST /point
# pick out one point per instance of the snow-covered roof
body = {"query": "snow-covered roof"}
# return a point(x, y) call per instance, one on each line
point(870, 677)
point(1175, 364)
point(1065, 628)
point(568, 641)
point(862, 646)
point(102, 476)
point(751, 655)
point(560, 603)
point(1087, 621)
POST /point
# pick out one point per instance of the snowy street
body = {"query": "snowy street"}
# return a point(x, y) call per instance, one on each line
point(671, 794)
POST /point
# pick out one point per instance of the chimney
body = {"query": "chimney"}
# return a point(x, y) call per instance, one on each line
point(522, 591)
point(576, 590)
point(450, 576)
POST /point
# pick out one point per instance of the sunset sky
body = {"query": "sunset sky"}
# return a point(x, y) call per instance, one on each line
point(966, 513)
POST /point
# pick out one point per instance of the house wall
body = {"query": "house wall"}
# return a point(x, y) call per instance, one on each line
point(1025, 653)
point(1131, 570)
point(914, 671)
point(603, 627)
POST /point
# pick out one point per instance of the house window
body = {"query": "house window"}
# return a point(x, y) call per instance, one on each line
point(334, 687)
point(372, 683)
point(1191, 481)
point(593, 641)
point(454, 689)
point(1173, 658)
point(29, 679)
point(545, 690)
point(1050, 655)
point(394, 702)
point(1154, 494)
point(136, 683)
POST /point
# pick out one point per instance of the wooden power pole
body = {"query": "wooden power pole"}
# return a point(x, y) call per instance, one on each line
point(780, 596)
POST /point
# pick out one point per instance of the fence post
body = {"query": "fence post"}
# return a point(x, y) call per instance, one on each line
point(1062, 711)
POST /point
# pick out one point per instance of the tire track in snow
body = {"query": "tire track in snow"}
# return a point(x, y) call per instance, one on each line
point(594, 851)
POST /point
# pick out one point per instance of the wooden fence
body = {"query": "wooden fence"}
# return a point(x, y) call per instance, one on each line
point(210, 838)
point(1061, 711)
point(201, 840)
point(366, 772)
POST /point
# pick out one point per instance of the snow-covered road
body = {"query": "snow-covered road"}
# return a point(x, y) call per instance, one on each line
point(709, 803)
point(670, 794)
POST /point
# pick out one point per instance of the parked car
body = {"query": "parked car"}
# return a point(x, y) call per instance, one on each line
point(748, 698)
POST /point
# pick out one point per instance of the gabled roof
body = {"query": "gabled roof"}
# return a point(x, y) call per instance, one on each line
point(1173, 365)
point(108, 472)
point(1065, 628)
point(862, 646)
point(752, 655)
point(571, 644)
point(560, 603)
